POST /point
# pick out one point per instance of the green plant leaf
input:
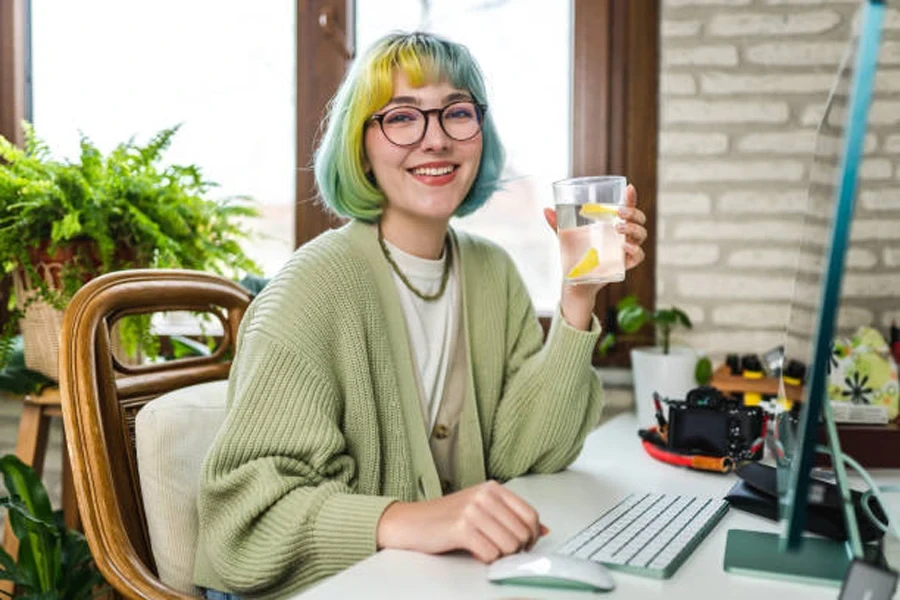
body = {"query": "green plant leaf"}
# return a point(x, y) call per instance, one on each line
point(629, 300)
point(631, 318)
point(23, 482)
point(79, 575)
point(682, 318)
point(664, 317)
point(703, 372)
point(606, 344)
point(67, 228)
point(31, 519)
point(184, 347)
point(80, 584)
point(9, 571)
point(15, 377)
point(33, 561)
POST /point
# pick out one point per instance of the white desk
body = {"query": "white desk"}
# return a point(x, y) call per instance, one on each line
point(611, 465)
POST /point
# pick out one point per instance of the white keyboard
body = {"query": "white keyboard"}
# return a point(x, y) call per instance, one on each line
point(647, 534)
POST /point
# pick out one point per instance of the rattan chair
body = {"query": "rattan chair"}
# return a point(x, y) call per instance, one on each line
point(101, 396)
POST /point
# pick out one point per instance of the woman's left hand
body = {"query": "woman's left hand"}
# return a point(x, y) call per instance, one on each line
point(577, 301)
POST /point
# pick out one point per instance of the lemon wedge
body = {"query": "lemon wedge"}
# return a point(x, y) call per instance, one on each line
point(588, 263)
point(599, 211)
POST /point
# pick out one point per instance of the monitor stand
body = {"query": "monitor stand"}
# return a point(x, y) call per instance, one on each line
point(818, 560)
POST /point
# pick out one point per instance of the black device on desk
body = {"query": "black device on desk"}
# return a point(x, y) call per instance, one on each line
point(757, 493)
point(710, 423)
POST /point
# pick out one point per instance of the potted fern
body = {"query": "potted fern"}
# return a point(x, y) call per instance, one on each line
point(670, 370)
point(64, 222)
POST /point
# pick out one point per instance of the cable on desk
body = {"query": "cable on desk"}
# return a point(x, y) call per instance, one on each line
point(874, 490)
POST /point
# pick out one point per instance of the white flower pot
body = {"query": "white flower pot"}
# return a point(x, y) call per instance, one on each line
point(671, 375)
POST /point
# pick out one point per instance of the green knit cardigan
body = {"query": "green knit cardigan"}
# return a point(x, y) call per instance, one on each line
point(325, 427)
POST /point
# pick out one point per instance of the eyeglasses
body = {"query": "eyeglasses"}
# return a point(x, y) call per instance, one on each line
point(406, 125)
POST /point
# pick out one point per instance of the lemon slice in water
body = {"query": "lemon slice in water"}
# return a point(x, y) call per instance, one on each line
point(599, 211)
point(588, 263)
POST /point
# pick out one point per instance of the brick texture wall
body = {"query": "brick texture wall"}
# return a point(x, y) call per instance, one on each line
point(743, 86)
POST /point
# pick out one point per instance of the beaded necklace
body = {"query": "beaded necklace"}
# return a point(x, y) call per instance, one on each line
point(444, 278)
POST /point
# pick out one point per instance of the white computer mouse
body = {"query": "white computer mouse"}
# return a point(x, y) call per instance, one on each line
point(551, 570)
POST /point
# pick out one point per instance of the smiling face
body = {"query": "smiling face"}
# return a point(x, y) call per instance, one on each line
point(427, 181)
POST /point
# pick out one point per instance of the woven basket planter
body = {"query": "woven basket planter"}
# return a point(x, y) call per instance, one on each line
point(41, 323)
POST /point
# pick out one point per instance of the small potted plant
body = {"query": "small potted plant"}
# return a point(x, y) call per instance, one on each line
point(670, 370)
point(64, 222)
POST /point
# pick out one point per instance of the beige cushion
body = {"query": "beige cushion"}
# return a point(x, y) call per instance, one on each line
point(172, 436)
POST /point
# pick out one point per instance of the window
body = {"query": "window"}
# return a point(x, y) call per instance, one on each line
point(223, 69)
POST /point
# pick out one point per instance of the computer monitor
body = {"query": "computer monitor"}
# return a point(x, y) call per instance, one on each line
point(833, 186)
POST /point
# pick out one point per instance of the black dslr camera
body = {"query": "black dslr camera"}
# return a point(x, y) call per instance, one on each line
point(710, 423)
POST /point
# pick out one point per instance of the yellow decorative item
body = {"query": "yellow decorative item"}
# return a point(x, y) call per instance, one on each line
point(864, 374)
point(588, 263)
point(599, 211)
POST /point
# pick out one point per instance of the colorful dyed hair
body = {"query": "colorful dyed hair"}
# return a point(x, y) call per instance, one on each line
point(423, 58)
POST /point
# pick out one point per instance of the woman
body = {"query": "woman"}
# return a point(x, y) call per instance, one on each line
point(394, 370)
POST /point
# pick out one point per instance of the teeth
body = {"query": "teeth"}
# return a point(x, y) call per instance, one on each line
point(433, 171)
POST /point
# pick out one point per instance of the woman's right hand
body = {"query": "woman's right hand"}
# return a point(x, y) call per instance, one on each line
point(487, 520)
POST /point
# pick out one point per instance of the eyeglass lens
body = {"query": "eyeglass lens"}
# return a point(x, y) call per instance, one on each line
point(406, 125)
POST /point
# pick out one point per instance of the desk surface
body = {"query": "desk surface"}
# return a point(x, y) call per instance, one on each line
point(611, 465)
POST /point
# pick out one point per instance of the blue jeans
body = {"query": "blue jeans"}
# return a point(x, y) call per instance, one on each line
point(217, 595)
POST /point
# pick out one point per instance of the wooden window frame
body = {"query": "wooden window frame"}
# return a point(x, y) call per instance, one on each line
point(615, 115)
point(615, 128)
point(13, 96)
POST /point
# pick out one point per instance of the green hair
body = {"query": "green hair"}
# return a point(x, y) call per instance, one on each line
point(342, 181)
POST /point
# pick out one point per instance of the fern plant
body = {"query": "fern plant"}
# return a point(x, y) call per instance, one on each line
point(110, 212)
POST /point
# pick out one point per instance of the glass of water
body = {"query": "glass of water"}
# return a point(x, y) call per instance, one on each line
point(587, 209)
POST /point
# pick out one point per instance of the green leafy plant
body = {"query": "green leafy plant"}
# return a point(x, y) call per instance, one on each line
point(16, 378)
point(631, 316)
point(54, 562)
point(110, 212)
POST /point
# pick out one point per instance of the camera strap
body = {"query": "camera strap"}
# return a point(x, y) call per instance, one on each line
point(655, 445)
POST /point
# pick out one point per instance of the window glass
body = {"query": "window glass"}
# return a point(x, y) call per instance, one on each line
point(223, 69)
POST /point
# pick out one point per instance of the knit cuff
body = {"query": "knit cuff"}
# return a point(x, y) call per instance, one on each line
point(571, 343)
point(346, 527)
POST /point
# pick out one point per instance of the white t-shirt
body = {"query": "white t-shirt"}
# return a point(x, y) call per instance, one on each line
point(429, 323)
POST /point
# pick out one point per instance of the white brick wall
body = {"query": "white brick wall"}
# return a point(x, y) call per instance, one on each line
point(716, 83)
point(743, 87)
point(747, 24)
point(693, 143)
point(684, 203)
point(721, 111)
point(793, 54)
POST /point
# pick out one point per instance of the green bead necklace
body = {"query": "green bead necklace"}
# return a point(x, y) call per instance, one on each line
point(444, 278)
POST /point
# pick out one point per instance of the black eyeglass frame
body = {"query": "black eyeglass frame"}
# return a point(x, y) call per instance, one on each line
point(480, 110)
